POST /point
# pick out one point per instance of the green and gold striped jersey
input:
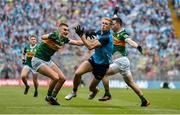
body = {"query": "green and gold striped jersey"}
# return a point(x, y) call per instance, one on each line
point(30, 52)
point(119, 42)
point(49, 46)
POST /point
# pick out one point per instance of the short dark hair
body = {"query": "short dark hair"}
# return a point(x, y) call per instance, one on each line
point(118, 20)
point(63, 24)
point(32, 36)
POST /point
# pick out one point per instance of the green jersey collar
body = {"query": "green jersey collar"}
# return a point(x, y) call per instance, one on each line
point(122, 29)
point(32, 46)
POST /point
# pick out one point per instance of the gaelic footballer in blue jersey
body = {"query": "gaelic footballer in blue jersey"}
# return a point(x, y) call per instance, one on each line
point(99, 62)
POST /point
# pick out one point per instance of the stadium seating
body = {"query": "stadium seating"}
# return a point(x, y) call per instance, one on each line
point(148, 22)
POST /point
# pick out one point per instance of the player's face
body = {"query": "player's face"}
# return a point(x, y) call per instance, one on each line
point(64, 31)
point(106, 25)
point(115, 26)
point(33, 40)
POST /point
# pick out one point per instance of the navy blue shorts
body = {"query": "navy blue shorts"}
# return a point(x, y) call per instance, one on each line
point(99, 70)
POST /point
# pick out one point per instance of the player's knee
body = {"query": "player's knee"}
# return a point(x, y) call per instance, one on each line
point(62, 79)
point(55, 77)
point(34, 77)
point(78, 73)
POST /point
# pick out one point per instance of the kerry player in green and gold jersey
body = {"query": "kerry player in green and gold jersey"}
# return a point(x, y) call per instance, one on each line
point(42, 63)
point(27, 55)
point(122, 64)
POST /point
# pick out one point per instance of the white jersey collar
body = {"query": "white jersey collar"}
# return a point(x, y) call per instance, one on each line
point(32, 46)
point(122, 29)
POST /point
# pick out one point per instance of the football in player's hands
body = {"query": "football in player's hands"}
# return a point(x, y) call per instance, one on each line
point(79, 30)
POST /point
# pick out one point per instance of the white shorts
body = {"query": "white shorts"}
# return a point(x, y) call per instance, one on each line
point(121, 65)
point(30, 69)
point(37, 63)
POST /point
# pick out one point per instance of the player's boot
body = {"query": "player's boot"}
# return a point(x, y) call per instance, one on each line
point(47, 98)
point(105, 98)
point(26, 90)
point(93, 94)
point(51, 100)
point(70, 96)
point(35, 93)
point(145, 103)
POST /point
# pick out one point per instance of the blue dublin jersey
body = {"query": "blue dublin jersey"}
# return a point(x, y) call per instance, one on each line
point(103, 55)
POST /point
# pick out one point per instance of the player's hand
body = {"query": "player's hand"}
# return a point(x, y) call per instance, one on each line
point(139, 48)
point(116, 11)
point(23, 61)
point(91, 34)
point(79, 30)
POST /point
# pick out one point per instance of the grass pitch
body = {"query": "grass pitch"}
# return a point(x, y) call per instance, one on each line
point(163, 101)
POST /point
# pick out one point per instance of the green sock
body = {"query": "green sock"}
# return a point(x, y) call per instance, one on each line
point(49, 93)
point(54, 94)
point(107, 93)
point(74, 89)
point(36, 90)
point(142, 98)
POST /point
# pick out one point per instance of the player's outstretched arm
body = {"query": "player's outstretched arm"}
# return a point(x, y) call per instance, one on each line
point(76, 42)
point(83, 35)
point(45, 36)
point(23, 56)
point(90, 44)
point(134, 44)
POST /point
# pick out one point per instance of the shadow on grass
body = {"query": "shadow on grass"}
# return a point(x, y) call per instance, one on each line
point(99, 106)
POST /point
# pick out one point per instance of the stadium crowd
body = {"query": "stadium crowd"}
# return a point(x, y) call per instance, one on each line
point(176, 4)
point(148, 22)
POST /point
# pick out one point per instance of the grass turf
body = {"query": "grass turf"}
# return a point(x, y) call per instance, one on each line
point(163, 101)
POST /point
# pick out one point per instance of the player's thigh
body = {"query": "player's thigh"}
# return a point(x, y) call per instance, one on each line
point(25, 71)
point(120, 65)
point(58, 70)
point(84, 68)
point(113, 69)
point(48, 71)
point(124, 65)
